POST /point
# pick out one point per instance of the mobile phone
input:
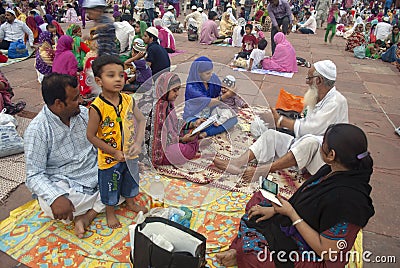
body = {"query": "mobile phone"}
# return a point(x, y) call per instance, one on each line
point(270, 186)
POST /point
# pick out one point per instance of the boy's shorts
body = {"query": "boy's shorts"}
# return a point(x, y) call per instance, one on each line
point(118, 180)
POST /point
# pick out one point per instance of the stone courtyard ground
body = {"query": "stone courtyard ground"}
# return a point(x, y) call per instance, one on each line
point(371, 87)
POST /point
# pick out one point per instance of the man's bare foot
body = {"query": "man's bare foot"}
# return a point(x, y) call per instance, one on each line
point(112, 220)
point(83, 221)
point(227, 258)
point(131, 205)
point(253, 173)
point(228, 166)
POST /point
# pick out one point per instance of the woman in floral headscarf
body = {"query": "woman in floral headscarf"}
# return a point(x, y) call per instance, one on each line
point(44, 55)
point(167, 140)
point(356, 39)
point(79, 48)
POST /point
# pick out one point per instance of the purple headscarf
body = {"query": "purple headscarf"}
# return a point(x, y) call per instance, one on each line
point(116, 12)
point(64, 60)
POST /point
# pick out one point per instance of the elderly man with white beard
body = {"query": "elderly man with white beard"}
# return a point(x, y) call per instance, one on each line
point(324, 105)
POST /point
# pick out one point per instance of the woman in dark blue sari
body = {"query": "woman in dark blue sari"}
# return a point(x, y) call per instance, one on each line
point(203, 93)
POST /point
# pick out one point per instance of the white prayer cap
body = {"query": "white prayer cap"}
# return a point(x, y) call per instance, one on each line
point(153, 31)
point(170, 7)
point(199, 9)
point(326, 68)
point(139, 41)
point(94, 3)
point(11, 12)
point(194, 7)
point(228, 5)
point(229, 80)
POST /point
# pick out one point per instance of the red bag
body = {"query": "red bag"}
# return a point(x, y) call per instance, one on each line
point(289, 102)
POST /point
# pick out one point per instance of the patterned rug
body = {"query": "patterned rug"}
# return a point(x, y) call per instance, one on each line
point(37, 241)
point(12, 168)
point(226, 145)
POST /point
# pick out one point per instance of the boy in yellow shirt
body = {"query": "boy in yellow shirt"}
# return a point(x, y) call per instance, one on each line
point(110, 129)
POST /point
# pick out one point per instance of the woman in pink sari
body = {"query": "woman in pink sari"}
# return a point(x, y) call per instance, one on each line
point(284, 58)
point(168, 141)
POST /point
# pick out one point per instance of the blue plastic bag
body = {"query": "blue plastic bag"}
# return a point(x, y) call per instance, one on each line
point(17, 50)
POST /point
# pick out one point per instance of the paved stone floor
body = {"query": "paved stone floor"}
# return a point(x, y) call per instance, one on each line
point(371, 87)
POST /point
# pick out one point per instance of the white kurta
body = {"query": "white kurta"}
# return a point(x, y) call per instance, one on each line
point(331, 109)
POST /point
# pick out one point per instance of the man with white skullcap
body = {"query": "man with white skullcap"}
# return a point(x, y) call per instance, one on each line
point(169, 20)
point(324, 105)
point(195, 19)
point(13, 30)
point(157, 57)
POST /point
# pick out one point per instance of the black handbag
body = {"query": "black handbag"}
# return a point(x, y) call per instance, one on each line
point(189, 246)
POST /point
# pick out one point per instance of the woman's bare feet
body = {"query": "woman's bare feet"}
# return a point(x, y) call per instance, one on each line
point(112, 220)
point(131, 205)
point(227, 258)
point(202, 135)
point(83, 221)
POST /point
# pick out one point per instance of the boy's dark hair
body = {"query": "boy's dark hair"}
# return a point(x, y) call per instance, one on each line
point(99, 62)
point(54, 85)
point(308, 13)
point(248, 25)
point(262, 44)
point(155, 38)
point(212, 14)
point(32, 13)
point(69, 5)
point(48, 26)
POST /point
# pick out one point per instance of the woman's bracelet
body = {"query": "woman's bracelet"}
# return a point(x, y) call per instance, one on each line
point(297, 222)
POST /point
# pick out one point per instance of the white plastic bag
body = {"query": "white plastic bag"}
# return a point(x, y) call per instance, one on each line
point(6, 118)
point(10, 141)
point(258, 127)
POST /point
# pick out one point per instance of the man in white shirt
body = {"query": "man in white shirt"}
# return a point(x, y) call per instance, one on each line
point(257, 55)
point(195, 19)
point(13, 30)
point(383, 29)
point(204, 16)
point(168, 20)
point(310, 26)
point(324, 106)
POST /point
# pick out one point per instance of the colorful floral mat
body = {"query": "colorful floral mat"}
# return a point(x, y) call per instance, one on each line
point(37, 241)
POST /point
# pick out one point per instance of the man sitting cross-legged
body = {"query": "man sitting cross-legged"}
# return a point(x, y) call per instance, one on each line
point(324, 106)
point(61, 164)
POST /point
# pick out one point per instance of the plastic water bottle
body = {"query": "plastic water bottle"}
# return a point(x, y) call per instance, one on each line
point(157, 192)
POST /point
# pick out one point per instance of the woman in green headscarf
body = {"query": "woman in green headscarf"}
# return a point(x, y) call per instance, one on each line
point(140, 28)
point(79, 48)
